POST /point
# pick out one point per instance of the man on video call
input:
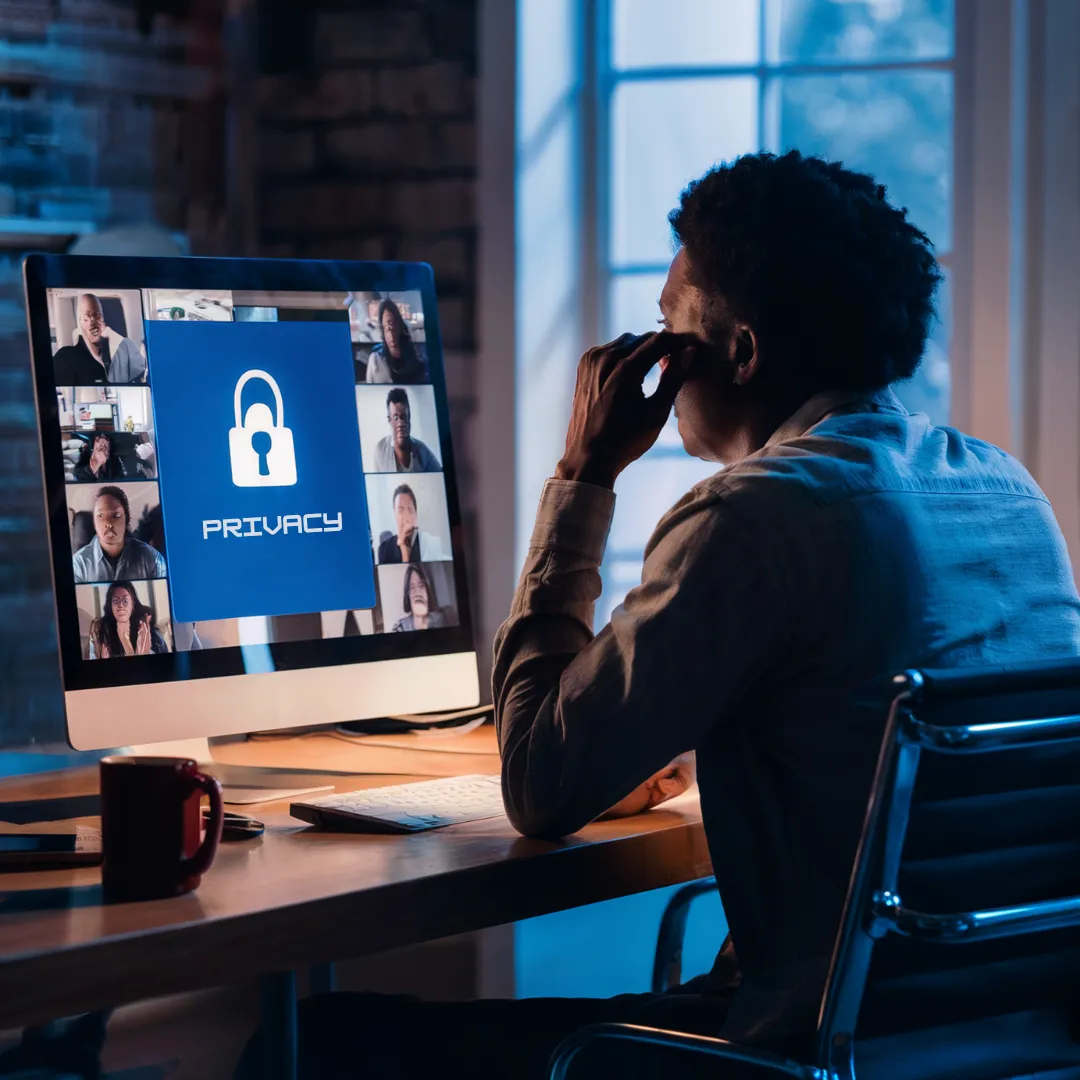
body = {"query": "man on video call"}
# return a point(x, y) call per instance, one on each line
point(410, 543)
point(841, 540)
point(101, 355)
point(399, 451)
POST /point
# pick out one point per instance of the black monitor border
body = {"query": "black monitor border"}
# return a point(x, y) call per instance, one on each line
point(43, 272)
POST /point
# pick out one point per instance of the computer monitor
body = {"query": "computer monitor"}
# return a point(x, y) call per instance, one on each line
point(250, 494)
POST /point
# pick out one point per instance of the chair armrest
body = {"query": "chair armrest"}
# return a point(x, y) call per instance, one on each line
point(721, 1049)
point(667, 962)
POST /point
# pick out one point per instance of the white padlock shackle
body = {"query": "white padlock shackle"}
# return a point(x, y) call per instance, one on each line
point(270, 381)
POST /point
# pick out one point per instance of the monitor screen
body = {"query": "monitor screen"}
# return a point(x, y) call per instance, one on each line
point(252, 474)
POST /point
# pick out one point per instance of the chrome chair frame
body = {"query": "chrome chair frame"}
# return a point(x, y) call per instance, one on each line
point(873, 908)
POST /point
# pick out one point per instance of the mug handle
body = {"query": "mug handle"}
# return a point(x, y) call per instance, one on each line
point(200, 862)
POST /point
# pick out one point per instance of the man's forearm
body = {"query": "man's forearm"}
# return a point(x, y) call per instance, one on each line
point(550, 623)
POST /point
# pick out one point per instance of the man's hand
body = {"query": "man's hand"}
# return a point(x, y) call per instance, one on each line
point(405, 542)
point(664, 785)
point(612, 422)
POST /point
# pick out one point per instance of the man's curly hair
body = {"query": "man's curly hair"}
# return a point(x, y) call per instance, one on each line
point(836, 283)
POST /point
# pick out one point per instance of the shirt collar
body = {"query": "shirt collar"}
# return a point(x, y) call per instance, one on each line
point(830, 403)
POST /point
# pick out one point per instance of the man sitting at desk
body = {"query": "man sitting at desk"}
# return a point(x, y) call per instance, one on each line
point(841, 541)
point(410, 543)
point(399, 451)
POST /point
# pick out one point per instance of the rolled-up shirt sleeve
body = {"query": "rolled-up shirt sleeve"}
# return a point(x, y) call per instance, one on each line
point(583, 720)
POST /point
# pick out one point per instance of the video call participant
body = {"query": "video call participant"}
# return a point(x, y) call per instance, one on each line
point(421, 605)
point(399, 451)
point(97, 461)
point(114, 554)
point(397, 359)
point(101, 355)
point(411, 544)
point(127, 627)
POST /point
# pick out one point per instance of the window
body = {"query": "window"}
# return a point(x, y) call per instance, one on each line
point(682, 84)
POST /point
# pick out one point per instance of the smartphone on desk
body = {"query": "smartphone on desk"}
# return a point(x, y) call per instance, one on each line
point(48, 851)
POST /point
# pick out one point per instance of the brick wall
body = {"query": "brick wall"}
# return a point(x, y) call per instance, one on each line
point(366, 149)
point(106, 119)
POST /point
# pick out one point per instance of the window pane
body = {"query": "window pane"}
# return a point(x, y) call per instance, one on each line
point(895, 125)
point(547, 31)
point(547, 347)
point(928, 389)
point(665, 134)
point(684, 33)
point(647, 490)
point(633, 303)
point(802, 31)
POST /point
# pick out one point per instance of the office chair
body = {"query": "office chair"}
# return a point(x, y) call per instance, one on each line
point(958, 952)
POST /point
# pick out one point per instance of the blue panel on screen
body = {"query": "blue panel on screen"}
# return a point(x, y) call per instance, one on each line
point(264, 515)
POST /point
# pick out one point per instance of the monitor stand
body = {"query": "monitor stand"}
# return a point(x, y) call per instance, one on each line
point(243, 784)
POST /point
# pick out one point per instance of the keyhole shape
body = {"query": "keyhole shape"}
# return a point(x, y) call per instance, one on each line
point(261, 443)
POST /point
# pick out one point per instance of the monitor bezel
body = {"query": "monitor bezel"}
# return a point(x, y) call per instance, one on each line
point(44, 272)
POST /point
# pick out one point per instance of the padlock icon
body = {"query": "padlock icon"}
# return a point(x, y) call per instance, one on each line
point(261, 448)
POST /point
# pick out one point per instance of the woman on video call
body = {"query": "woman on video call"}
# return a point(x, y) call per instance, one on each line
point(97, 461)
point(397, 359)
point(421, 605)
point(127, 627)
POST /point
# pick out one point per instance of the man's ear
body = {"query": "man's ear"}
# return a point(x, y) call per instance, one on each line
point(744, 354)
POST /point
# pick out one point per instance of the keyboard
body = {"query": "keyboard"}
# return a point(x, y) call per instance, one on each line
point(406, 808)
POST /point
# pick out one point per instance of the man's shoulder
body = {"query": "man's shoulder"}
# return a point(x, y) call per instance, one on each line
point(144, 550)
point(69, 356)
point(86, 551)
point(850, 458)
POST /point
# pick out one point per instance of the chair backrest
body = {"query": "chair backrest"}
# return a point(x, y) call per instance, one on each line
point(964, 902)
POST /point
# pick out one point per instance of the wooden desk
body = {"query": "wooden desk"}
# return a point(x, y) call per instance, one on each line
point(298, 897)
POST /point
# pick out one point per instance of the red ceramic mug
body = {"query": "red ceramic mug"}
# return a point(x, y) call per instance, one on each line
point(150, 826)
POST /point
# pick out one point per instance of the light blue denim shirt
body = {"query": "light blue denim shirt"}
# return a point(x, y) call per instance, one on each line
point(859, 542)
point(126, 362)
point(137, 562)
